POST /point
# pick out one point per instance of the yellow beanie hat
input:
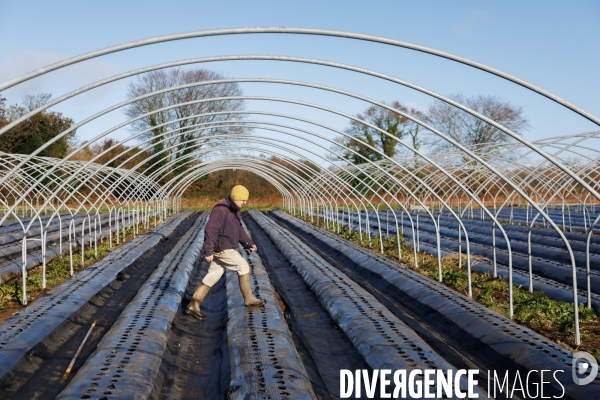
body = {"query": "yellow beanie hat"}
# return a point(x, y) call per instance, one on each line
point(239, 193)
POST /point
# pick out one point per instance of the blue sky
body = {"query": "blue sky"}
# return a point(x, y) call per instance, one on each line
point(553, 44)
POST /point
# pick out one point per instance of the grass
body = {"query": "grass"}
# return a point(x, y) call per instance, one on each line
point(548, 317)
point(57, 271)
point(207, 203)
point(244, 208)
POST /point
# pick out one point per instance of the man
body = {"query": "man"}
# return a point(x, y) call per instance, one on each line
point(222, 234)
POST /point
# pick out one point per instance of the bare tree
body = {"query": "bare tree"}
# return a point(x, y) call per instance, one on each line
point(179, 129)
point(32, 101)
point(471, 131)
point(416, 135)
point(4, 118)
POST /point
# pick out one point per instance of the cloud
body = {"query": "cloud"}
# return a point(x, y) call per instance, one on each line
point(471, 21)
point(57, 82)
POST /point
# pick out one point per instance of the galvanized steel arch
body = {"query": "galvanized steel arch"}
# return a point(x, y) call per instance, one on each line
point(497, 177)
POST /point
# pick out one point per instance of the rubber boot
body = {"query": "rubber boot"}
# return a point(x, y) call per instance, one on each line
point(249, 299)
point(193, 308)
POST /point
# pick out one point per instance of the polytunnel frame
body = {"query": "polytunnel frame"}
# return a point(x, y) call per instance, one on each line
point(202, 165)
point(325, 33)
point(306, 31)
point(233, 162)
point(355, 69)
point(240, 122)
point(285, 132)
point(312, 122)
point(314, 106)
point(227, 163)
point(117, 182)
point(418, 122)
point(539, 176)
point(23, 179)
point(131, 136)
point(27, 178)
point(383, 76)
point(545, 205)
point(91, 175)
point(256, 168)
point(181, 186)
point(268, 141)
point(170, 89)
point(523, 180)
point(131, 157)
point(254, 139)
point(557, 192)
point(345, 173)
point(409, 195)
point(399, 228)
point(446, 100)
point(97, 137)
point(550, 194)
point(415, 230)
point(260, 122)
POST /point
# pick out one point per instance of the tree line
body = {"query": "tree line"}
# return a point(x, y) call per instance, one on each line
point(35, 131)
point(364, 143)
point(176, 124)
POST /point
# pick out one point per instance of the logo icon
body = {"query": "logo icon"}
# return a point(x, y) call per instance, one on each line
point(585, 368)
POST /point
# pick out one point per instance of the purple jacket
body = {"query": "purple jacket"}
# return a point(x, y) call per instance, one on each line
point(224, 228)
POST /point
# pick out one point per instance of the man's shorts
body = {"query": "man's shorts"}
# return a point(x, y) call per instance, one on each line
point(227, 259)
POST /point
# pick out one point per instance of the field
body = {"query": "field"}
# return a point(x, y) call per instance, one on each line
point(333, 303)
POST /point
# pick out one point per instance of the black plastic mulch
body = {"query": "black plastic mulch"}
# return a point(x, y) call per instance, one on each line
point(456, 346)
point(322, 345)
point(196, 361)
point(39, 375)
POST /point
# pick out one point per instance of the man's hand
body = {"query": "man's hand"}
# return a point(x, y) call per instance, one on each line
point(253, 248)
point(210, 258)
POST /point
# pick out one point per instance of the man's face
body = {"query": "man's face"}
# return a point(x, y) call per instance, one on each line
point(240, 203)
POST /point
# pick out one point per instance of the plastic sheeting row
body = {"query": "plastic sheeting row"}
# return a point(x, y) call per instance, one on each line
point(128, 357)
point(24, 330)
point(263, 356)
point(524, 347)
point(384, 341)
